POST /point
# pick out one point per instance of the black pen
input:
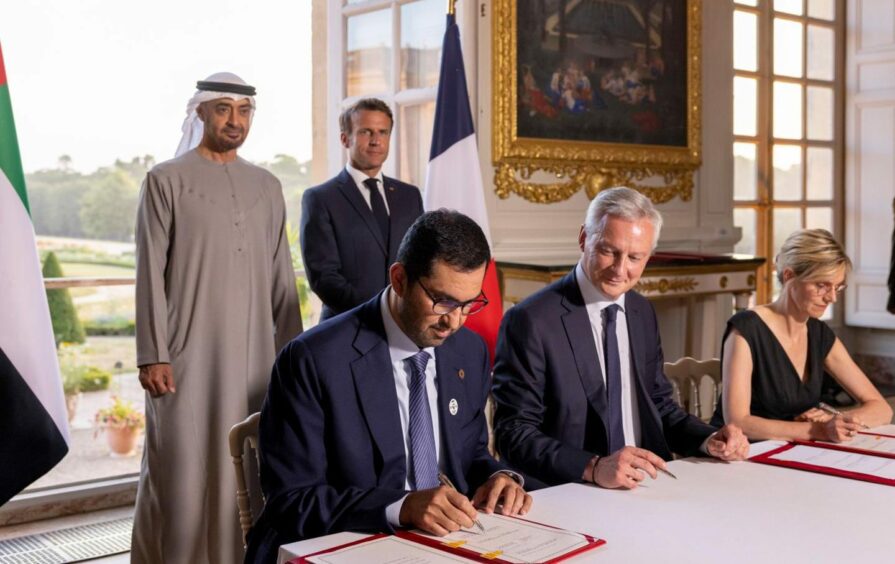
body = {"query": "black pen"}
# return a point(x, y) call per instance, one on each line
point(667, 472)
point(445, 481)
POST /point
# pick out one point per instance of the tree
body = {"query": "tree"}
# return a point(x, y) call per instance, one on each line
point(66, 326)
point(109, 207)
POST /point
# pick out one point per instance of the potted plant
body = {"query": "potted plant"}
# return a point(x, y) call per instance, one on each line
point(122, 423)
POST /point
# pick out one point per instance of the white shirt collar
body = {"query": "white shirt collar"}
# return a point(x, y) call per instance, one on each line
point(592, 295)
point(359, 176)
point(400, 347)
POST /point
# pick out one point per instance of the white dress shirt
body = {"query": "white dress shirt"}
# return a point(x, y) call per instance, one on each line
point(400, 348)
point(359, 177)
point(596, 301)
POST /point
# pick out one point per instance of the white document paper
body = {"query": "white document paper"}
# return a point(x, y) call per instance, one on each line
point(514, 540)
point(387, 550)
point(840, 460)
point(873, 443)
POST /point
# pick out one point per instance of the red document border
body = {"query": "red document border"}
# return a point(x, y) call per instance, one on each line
point(765, 458)
point(592, 543)
point(846, 448)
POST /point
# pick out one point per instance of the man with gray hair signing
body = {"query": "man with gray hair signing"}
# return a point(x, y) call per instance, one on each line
point(578, 378)
point(216, 300)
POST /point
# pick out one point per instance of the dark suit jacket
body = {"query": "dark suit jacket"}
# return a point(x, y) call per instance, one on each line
point(332, 450)
point(547, 380)
point(344, 253)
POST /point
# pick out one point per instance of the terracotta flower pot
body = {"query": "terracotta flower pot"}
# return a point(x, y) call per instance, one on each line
point(122, 440)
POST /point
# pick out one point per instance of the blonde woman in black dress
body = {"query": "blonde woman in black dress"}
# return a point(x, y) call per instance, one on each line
point(774, 356)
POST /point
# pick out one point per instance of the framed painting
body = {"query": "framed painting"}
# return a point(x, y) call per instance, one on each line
point(598, 93)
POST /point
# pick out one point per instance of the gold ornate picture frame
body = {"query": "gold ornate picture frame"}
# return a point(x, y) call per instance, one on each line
point(597, 93)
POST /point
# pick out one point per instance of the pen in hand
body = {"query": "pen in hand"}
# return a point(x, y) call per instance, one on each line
point(445, 481)
point(666, 472)
point(835, 412)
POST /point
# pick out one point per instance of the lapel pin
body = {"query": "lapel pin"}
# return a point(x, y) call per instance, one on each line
point(461, 373)
point(453, 406)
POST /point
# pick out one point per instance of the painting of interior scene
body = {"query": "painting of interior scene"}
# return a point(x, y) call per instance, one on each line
point(610, 71)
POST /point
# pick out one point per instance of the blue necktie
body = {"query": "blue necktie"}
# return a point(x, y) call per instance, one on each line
point(378, 206)
point(423, 462)
point(613, 380)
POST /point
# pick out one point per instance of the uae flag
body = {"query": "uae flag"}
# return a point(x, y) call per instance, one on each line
point(453, 177)
point(33, 423)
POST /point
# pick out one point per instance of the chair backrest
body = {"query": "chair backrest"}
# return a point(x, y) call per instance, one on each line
point(696, 385)
point(240, 434)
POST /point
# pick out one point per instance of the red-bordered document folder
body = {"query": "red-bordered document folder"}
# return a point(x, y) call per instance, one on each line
point(846, 447)
point(455, 549)
point(770, 458)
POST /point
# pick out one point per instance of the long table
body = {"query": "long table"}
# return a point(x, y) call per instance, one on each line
point(716, 512)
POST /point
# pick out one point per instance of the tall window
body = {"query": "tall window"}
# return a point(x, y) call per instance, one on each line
point(787, 91)
point(391, 50)
point(84, 168)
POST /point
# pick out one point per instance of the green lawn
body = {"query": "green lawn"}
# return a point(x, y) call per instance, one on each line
point(95, 270)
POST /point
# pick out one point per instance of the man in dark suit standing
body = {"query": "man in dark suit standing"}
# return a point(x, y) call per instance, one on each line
point(578, 379)
point(364, 413)
point(352, 224)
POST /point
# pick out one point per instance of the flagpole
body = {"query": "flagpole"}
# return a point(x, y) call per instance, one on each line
point(452, 7)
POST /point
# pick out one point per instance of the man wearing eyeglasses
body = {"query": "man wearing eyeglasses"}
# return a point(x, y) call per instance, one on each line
point(367, 414)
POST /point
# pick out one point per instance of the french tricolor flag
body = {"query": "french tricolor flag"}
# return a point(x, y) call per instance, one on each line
point(453, 177)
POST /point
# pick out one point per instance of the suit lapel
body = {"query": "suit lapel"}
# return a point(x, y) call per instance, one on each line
point(578, 331)
point(375, 384)
point(450, 387)
point(352, 192)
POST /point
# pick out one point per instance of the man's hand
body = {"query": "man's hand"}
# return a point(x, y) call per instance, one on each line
point(439, 511)
point(157, 379)
point(728, 443)
point(502, 489)
point(627, 467)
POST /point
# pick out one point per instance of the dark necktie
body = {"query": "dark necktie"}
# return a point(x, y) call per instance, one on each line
point(378, 206)
point(613, 380)
point(424, 464)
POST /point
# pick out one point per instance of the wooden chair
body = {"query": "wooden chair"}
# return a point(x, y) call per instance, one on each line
point(246, 431)
point(696, 385)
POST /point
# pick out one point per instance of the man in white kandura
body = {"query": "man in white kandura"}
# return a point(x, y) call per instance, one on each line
point(215, 300)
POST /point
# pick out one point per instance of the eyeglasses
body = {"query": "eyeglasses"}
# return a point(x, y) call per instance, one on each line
point(824, 288)
point(444, 306)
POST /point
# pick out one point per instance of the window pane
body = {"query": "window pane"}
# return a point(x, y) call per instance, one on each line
point(822, 9)
point(787, 110)
point(819, 218)
point(821, 48)
point(745, 41)
point(368, 53)
point(415, 139)
point(747, 2)
point(820, 113)
point(787, 47)
point(744, 218)
point(789, 6)
point(787, 172)
point(786, 221)
point(744, 105)
point(744, 171)
point(422, 27)
point(819, 174)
